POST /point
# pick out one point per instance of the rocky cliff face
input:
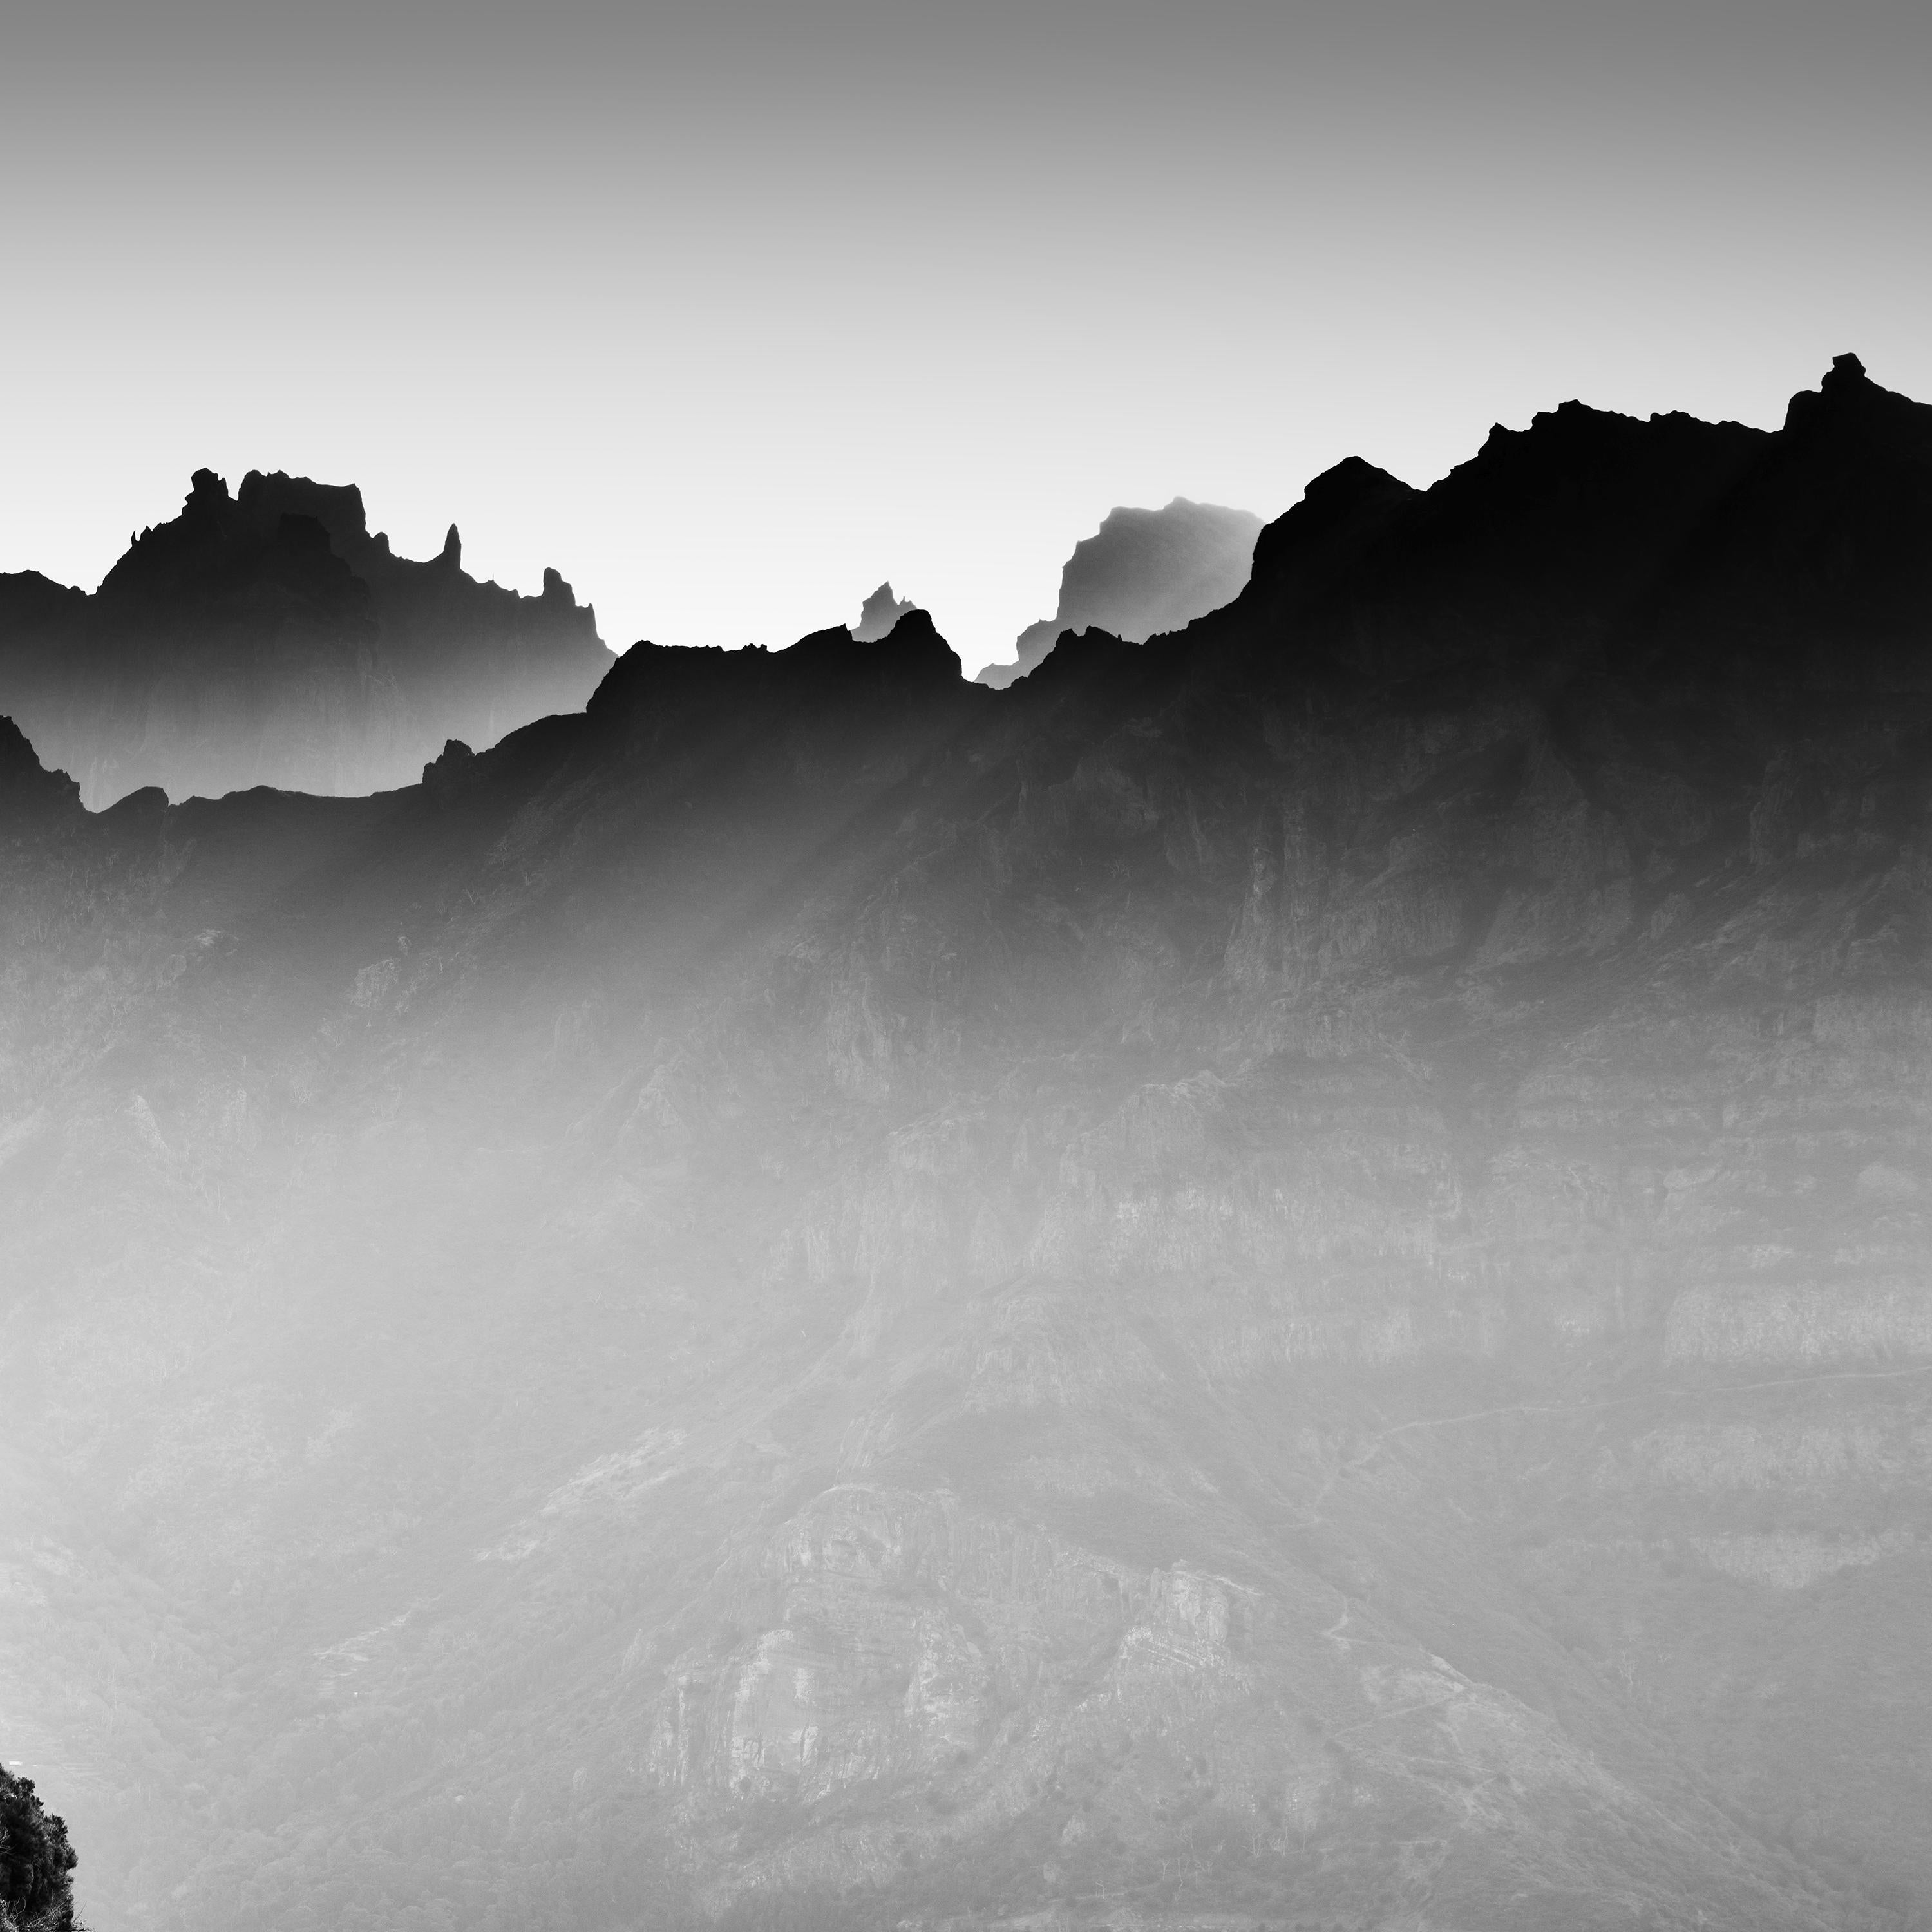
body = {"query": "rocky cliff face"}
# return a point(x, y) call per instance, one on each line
point(1143, 572)
point(268, 638)
point(1279, 1277)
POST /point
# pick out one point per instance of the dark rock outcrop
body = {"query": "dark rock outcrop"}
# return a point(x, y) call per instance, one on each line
point(449, 774)
point(32, 799)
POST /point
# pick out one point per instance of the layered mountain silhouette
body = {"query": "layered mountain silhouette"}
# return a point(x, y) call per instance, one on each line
point(1143, 571)
point(879, 613)
point(1279, 1277)
point(268, 638)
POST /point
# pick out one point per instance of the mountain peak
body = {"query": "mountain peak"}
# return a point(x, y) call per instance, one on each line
point(910, 652)
point(266, 636)
point(265, 498)
point(206, 491)
point(1847, 400)
point(881, 611)
point(1352, 486)
point(1340, 507)
point(1141, 573)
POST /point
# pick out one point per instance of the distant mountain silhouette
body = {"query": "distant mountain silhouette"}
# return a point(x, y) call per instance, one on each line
point(881, 611)
point(1283, 1276)
point(269, 638)
point(1143, 572)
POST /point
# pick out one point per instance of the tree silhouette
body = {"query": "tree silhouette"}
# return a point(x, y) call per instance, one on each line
point(36, 1894)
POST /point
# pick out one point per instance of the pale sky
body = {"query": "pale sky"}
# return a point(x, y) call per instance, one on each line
point(731, 311)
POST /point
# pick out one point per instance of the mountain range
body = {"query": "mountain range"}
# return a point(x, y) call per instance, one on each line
point(268, 638)
point(1276, 1278)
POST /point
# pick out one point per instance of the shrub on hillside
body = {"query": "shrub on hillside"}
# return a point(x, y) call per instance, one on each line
point(36, 1893)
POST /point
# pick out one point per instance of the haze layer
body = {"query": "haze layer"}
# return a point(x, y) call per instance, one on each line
point(1280, 1273)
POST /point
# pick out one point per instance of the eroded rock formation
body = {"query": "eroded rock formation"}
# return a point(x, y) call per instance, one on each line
point(1142, 572)
point(268, 638)
point(879, 613)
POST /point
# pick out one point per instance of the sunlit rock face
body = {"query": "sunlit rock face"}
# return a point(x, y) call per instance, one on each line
point(1143, 572)
point(1280, 1277)
point(268, 638)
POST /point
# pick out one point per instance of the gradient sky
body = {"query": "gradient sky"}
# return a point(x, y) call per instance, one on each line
point(730, 311)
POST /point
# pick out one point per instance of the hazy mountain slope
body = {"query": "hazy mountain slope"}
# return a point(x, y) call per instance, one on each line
point(269, 639)
point(1278, 1274)
point(1142, 572)
point(879, 613)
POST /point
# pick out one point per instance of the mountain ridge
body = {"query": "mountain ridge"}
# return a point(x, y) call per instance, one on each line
point(268, 636)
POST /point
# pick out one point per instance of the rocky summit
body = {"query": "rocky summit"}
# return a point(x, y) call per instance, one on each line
point(1277, 1278)
point(267, 638)
point(1142, 572)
